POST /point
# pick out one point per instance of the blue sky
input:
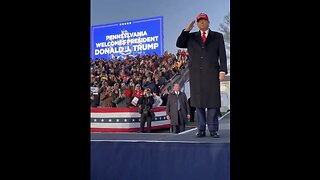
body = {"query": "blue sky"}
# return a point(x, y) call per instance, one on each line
point(177, 14)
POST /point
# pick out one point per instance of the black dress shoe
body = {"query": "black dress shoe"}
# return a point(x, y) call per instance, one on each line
point(215, 134)
point(201, 134)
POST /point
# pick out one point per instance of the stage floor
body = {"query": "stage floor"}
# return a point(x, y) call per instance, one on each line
point(184, 137)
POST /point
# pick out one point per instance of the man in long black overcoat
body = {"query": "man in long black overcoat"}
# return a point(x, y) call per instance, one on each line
point(207, 67)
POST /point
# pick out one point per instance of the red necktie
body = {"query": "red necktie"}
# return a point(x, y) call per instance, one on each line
point(203, 37)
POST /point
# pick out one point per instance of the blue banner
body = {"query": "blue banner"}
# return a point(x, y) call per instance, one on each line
point(159, 160)
point(131, 37)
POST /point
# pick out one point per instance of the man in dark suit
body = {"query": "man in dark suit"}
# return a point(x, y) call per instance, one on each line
point(207, 67)
point(177, 109)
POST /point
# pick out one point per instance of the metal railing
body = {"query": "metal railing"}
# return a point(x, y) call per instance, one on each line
point(183, 77)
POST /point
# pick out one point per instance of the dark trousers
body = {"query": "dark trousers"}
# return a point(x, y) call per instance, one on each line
point(143, 120)
point(182, 125)
point(211, 119)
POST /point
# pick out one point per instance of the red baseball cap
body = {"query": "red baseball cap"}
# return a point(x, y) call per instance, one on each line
point(202, 16)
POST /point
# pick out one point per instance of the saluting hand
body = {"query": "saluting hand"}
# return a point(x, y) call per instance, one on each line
point(190, 26)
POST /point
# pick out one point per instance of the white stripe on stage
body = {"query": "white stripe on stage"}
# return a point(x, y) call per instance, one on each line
point(127, 125)
point(123, 114)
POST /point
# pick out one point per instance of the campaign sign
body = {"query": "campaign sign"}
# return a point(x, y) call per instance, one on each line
point(117, 40)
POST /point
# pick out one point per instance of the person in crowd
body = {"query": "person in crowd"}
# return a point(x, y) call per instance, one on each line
point(137, 93)
point(157, 100)
point(122, 101)
point(164, 97)
point(150, 71)
point(107, 98)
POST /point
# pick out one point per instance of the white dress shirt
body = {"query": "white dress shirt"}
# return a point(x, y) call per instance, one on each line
point(207, 32)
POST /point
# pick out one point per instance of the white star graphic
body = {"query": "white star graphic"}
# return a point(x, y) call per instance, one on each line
point(125, 120)
point(117, 120)
point(132, 120)
point(95, 120)
point(109, 120)
point(102, 120)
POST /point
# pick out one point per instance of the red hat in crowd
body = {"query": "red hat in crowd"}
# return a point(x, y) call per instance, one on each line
point(202, 16)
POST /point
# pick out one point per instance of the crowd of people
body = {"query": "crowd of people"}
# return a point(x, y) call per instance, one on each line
point(120, 83)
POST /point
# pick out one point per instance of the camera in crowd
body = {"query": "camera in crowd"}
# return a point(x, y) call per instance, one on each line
point(147, 92)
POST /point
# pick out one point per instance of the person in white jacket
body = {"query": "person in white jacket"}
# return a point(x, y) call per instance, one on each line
point(157, 100)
